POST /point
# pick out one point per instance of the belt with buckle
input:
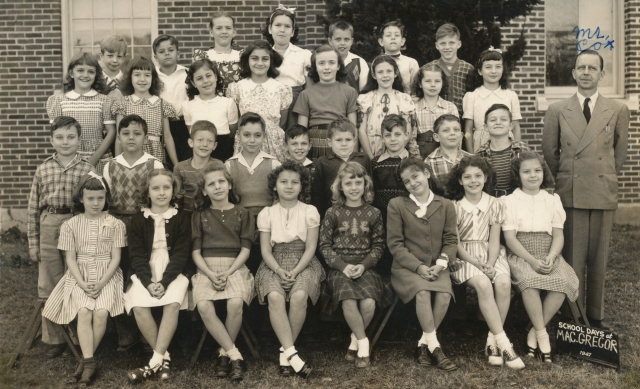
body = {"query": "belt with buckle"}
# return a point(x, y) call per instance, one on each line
point(174, 119)
point(59, 211)
point(499, 192)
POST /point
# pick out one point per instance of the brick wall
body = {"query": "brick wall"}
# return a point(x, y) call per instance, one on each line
point(630, 181)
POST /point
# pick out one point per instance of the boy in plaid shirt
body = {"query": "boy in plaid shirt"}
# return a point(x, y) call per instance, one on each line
point(448, 132)
point(50, 205)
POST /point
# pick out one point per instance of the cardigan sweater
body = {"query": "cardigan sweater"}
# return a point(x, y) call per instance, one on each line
point(140, 239)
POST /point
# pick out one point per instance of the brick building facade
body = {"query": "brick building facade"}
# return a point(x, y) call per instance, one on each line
point(32, 60)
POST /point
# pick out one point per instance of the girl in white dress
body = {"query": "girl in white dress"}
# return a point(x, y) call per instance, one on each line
point(91, 288)
point(482, 262)
point(159, 248)
point(533, 232)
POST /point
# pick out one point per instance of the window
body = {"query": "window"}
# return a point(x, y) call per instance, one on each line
point(86, 22)
point(572, 26)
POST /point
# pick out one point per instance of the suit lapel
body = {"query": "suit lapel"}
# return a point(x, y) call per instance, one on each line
point(599, 118)
point(431, 209)
point(574, 116)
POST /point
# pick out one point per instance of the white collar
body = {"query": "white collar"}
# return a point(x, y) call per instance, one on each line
point(256, 161)
point(291, 48)
point(172, 211)
point(74, 95)
point(270, 85)
point(484, 92)
point(422, 207)
point(384, 156)
point(483, 204)
point(593, 98)
point(152, 100)
point(540, 196)
point(307, 162)
point(145, 157)
point(350, 57)
point(210, 101)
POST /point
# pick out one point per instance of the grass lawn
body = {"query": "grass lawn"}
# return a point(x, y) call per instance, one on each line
point(393, 363)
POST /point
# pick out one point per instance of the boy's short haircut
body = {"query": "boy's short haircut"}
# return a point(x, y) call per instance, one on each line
point(444, 118)
point(65, 121)
point(296, 131)
point(132, 119)
point(341, 125)
point(392, 121)
point(162, 38)
point(393, 23)
point(447, 29)
point(251, 118)
point(496, 107)
point(204, 125)
point(113, 44)
point(340, 25)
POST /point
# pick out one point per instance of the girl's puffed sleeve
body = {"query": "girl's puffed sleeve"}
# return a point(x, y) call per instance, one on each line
point(510, 215)
point(286, 96)
point(67, 240)
point(468, 101)
point(515, 106)
point(312, 217)
point(365, 102)
point(108, 115)
point(559, 214)
point(264, 220)
point(54, 109)
point(167, 110)
point(117, 108)
point(497, 212)
point(233, 92)
point(119, 234)
point(232, 112)
point(247, 229)
point(196, 230)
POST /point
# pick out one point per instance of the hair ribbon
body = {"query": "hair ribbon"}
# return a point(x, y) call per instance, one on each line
point(97, 177)
point(280, 8)
point(496, 50)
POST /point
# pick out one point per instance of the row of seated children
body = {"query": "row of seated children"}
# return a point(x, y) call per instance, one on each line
point(351, 243)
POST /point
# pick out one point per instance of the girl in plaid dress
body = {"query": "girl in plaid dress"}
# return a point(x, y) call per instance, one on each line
point(142, 88)
point(222, 234)
point(533, 233)
point(91, 288)
point(352, 242)
point(482, 262)
point(289, 271)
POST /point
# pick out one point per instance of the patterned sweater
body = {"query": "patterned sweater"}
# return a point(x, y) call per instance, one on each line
point(386, 182)
point(351, 235)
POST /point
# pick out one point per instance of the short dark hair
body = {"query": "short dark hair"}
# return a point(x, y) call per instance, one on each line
point(274, 64)
point(392, 121)
point(143, 188)
point(444, 118)
point(251, 118)
point(295, 131)
point(293, 167)
point(204, 202)
point(133, 119)
point(547, 176)
point(492, 55)
point(417, 163)
point(417, 88)
point(393, 23)
point(589, 52)
point(142, 63)
point(83, 58)
point(341, 125)
point(276, 13)
point(496, 107)
point(372, 83)
point(455, 190)
point(164, 37)
point(192, 91)
point(203, 125)
point(65, 121)
point(312, 70)
point(90, 183)
point(340, 24)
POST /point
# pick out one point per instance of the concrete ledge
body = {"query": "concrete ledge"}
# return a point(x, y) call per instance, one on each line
point(628, 214)
point(11, 217)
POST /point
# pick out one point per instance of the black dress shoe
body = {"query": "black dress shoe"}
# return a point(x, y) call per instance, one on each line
point(56, 350)
point(223, 367)
point(442, 361)
point(422, 353)
point(286, 371)
point(237, 370)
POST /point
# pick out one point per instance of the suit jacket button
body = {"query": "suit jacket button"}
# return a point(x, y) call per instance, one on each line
point(568, 143)
point(424, 222)
point(576, 157)
point(599, 157)
point(168, 248)
point(601, 175)
point(606, 143)
point(575, 176)
point(427, 237)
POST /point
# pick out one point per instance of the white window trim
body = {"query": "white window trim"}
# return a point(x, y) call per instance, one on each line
point(617, 91)
point(67, 48)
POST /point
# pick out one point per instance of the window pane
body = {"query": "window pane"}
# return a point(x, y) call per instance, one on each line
point(142, 8)
point(141, 32)
point(102, 9)
point(122, 9)
point(596, 30)
point(101, 29)
point(82, 33)
point(142, 52)
point(122, 27)
point(81, 9)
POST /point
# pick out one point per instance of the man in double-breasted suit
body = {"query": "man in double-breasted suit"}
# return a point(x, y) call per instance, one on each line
point(585, 144)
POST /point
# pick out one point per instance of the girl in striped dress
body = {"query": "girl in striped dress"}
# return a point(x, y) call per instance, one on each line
point(91, 288)
point(533, 232)
point(482, 262)
point(142, 87)
point(222, 235)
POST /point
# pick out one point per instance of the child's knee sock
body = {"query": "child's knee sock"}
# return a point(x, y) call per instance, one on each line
point(543, 341)
point(363, 347)
point(156, 361)
point(432, 341)
point(491, 340)
point(166, 356)
point(354, 342)
point(222, 353)
point(532, 340)
point(502, 341)
point(423, 339)
point(283, 359)
point(294, 359)
point(234, 354)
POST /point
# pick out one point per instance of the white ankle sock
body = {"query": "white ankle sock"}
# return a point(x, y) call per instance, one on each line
point(295, 361)
point(222, 353)
point(283, 359)
point(543, 340)
point(354, 342)
point(156, 361)
point(502, 341)
point(432, 341)
point(166, 356)
point(234, 354)
point(363, 347)
point(423, 339)
point(532, 340)
point(491, 340)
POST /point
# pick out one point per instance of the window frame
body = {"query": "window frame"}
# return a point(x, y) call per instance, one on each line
point(67, 46)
